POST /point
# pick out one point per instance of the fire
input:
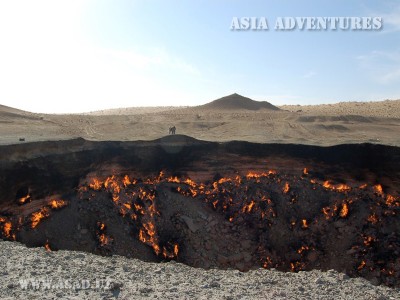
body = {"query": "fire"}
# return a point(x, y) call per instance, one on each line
point(267, 263)
point(101, 226)
point(339, 187)
point(248, 207)
point(7, 226)
point(368, 240)
point(296, 266)
point(329, 212)
point(24, 200)
point(147, 235)
point(47, 246)
point(363, 186)
point(126, 181)
point(104, 240)
point(361, 266)
point(391, 201)
point(96, 184)
point(286, 188)
point(344, 211)
point(378, 189)
point(101, 236)
point(372, 218)
point(38, 216)
point(57, 203)
point(305, 171)
point(173, 179)
point(304, 224)
point(302, 249)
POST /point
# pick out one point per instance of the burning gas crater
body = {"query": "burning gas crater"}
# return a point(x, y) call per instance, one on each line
point(259, 219)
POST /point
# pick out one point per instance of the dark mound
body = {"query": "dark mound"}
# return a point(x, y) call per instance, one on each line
point(238, 102)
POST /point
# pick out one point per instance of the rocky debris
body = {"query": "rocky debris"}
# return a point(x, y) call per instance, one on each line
point(30, 273)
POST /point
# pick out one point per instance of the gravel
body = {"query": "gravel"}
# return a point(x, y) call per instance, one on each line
point(32, 273)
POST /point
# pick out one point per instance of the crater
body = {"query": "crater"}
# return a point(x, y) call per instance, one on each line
point(210, 205)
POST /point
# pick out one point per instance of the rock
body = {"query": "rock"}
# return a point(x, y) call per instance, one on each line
point(247, 257)
point(190, 223)
point(236, 257)
point(312, 256)
point(319, 281)
point(146, 290)
point(375, 281)
point(245, 244)
point(221, 259)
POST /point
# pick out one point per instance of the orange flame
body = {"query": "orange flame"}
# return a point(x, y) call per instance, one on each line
point(286, 188)
point(126, 181)
point(24, 199)
point(344, 211)
point(7, 226)
point(95, 184)
point(47, 246)
point(57, 203)
point(248, 207)
point(372, 218)
point(339, 187)
point(378, 189)
point(361, 266)
point(304, 224)
point(38, 216)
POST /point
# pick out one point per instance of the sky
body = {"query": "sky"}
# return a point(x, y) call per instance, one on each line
point(86, 55)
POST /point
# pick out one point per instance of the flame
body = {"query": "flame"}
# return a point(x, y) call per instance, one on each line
point(286, 188)
point(7, 226)
point(267, 263)
point(305, 171)
point(391, 201)
point(47, 246)
point(147, 235)
point(126, 181)
point(344, 211)
point(378, 189)
point(104, 240)
point(304, 224)
point(363, 186)
point(95, 184)
point(101, 226)
point(24, 200)
point(361, 266)
point(302, 249)
point(57, 203)
point(368, 240)
point(372, 218)
point(339, 187)
point(173, 179)
point(38, 216)
point(329, 212)
point(248, 207)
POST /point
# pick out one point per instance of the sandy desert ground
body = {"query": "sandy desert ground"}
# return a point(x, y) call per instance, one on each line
point(348, 122)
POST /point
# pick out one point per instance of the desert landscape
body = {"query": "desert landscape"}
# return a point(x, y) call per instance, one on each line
point(230, 118)
point(248, 200)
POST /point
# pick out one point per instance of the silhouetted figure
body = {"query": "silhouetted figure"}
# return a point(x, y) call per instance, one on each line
point(172, 130)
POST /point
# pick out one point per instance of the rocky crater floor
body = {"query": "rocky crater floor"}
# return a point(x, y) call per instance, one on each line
point(34, 273)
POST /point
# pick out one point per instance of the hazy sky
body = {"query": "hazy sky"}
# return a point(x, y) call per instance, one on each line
point(75, 56)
